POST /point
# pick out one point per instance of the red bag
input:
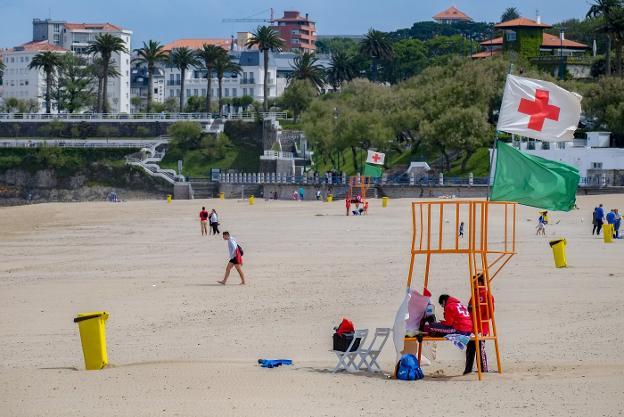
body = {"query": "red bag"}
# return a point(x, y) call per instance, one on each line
point(239, 256)
point(346, 326)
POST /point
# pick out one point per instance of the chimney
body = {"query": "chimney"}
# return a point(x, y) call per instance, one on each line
point(539, 19)
point(306, 16)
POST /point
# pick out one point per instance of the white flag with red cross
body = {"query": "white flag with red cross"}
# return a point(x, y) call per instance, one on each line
point(539, 109)
point(376, 158)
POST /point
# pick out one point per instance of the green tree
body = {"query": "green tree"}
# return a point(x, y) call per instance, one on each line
point(49, 62)
point(306, 68)
point(224, 65)
point(266, 39)
point(410, 58)
point(612, 14)
point(342, 69)
point(151, 54)
point(2, 68)
point(604, 102)
point(297, 97)
point(102, 73)
point(510, 13)
point(105, 45)
point(74, 84)
point(183, 58)
point(185, 135)
point(378, 47)
point(195, 104)
point(245, 102)
point(209, 55)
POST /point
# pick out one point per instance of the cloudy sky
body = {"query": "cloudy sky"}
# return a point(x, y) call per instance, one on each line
point(165, 20)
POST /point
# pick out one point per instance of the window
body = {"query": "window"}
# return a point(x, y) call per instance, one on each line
point(188, 92)
point(227, 92)
point(203, 92)
point(511, 36)
point(251, 92)
point(26, 82)
point(155, 90)
point(195, 92)
point(596, 165)
point(234, 92)
point(294, 41)
point(171, 93)
point(294, 32)
point(244, 91)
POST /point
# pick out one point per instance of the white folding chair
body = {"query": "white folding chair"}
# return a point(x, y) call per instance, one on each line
point(369, 355)
point(347, 359)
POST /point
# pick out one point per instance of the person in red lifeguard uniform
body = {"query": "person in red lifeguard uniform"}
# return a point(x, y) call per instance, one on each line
point(471, 348)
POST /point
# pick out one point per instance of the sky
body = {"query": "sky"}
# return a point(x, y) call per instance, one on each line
point(166, 20)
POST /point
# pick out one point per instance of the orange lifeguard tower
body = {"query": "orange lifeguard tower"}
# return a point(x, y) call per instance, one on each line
point(356, 193)
point(488, 243)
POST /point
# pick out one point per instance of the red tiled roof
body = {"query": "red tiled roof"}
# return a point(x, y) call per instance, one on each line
point(109, 27)
point(198, 43)
point(486, 54)
point(41, 46)
point(521, 22)
point(552, 41)
point(452, 13)
point(493, 42)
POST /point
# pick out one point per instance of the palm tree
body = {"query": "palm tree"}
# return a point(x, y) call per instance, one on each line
point(510, 13)
point(341, 69)
point(377, 46)
point(151, 54)
point(2, 68)
point(209, 54)
point(613, 21)
point(49, 62)
point(101, 71)
point(105, 45)
point(305, 68)
point(224, 64)
point(183, 58)
point(266, 39)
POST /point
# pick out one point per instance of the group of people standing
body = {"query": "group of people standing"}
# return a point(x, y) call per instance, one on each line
point(209, 219)
point(612, 217)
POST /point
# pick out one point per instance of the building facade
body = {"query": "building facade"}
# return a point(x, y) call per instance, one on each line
point(298, 32)
point(21, 82)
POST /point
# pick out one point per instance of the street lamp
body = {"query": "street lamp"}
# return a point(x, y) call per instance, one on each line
point(561, 66)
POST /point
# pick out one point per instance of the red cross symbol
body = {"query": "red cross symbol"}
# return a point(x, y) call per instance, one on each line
point(376, 157)
point(539, 110)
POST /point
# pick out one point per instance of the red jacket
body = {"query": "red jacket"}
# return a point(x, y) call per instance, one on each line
point(457, 315)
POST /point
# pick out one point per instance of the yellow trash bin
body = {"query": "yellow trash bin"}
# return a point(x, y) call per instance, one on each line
point(607, 233)
point(330, 198)
point(558, 248)
point(251, 200)
point(169, 198)
point(384, 202)
point(93, 337)
point(222, 196)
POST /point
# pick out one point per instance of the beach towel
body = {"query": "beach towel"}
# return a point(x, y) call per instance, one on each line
point(460, 341)
point(274, 363)
point(416, 308)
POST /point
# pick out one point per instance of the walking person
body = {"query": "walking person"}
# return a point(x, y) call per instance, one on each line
point(214, 222)
point(235, 253)
point(203, 221)
point(617, 223)
point(461, 229)
point(611, 220)
point(598, 219)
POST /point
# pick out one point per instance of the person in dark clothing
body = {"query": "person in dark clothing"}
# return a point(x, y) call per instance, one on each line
point(214, 222)
point(598, 220)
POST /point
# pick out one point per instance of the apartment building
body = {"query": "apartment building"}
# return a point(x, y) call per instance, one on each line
point(19, 80)
point(298, 32)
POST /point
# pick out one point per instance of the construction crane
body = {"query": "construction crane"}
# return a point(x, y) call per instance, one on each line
point(252, 18)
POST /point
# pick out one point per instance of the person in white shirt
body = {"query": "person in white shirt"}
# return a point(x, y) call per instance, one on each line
point(214, 222)
point(236, 259)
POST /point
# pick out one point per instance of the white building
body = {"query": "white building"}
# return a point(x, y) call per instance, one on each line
point(592, 156)
point(21, 82)
point(60, 36)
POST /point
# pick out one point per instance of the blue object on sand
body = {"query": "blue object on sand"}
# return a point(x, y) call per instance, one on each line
point(274, 363)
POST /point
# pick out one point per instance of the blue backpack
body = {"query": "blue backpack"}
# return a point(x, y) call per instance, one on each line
point(408, 368)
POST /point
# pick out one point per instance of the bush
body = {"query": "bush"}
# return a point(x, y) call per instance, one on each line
point(185, 135)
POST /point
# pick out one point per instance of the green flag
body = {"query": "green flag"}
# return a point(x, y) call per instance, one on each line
point(372, 170)
point(533, 181)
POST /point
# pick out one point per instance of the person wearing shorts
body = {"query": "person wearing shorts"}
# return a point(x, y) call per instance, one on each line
point(236, 259)
point(203, 221)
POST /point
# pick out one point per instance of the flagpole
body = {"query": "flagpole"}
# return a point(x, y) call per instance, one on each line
point(490, 179)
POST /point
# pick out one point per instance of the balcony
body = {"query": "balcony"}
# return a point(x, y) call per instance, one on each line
point(173, 82)
point(567, 59)
point(247, 81)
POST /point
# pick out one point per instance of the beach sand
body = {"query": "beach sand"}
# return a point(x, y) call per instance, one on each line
point(179, 344)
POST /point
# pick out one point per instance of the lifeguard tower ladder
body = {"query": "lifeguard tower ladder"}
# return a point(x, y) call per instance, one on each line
point(489, 242)
point(358, 186)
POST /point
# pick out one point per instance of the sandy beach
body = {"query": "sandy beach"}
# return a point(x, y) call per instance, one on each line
point(180, 344)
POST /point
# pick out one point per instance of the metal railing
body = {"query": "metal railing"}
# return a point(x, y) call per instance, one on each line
point(139, 116)
point(76, 143)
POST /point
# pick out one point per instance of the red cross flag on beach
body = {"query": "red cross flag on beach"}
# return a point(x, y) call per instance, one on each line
point(376, 158)
point(539, 109)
